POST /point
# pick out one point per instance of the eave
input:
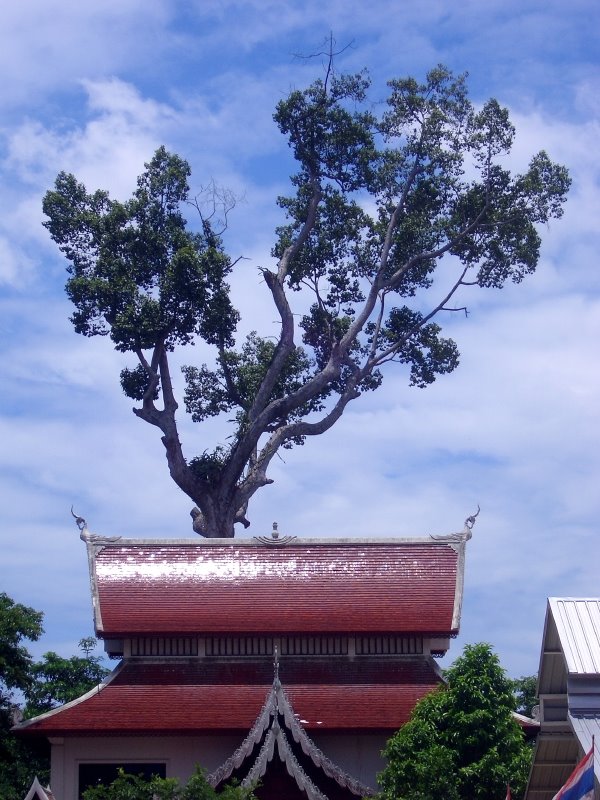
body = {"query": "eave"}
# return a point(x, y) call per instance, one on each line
point(182, 697)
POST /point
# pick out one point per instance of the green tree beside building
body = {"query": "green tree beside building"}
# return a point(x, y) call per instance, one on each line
point(462, 742)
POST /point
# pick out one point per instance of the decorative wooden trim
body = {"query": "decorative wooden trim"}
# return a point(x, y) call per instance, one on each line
point(277, 704)
point(235, 761)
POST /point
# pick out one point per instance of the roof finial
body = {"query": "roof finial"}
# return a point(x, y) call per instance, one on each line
point(84, 533)
point(275, 539)
point(91, 538)
point(464, 535)
point(470, 521)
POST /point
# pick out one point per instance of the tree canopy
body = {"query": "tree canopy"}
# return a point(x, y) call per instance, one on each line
point(525, 689)
point(18, 761)
point(18, 623)
point(390, 219)
point(462, 742)
point(56, 680)
point(43, 685)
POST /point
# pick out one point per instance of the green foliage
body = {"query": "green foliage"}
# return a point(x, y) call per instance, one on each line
point(461, 742)
point(19, 762)
point(208, 466)
point(238, 378)
point(17, 622)
point(136, 273)
point(525, 689)
point(44, 685)
point(135, 787)
point(379, 207)
point(56, 680)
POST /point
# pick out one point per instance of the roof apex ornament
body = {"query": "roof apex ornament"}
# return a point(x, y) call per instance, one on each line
point(39, 792)
point(274, 539)
point(87, 536)
point(470, 521)
point(464, 535)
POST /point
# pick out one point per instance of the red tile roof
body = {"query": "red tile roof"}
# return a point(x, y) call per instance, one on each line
point(176, 698)
point(322, 587)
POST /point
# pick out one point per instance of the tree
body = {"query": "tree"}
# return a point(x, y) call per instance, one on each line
point(525, 689)
point(44, 685)
point(19, 762)
point(462, 742)
point(56, 680)
point(135, 787)
point(390, 219)
point(17, 623)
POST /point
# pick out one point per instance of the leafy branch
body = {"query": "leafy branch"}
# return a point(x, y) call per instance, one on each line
point(380, 205)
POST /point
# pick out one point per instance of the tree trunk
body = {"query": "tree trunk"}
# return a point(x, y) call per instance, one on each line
point(216, 517)
point(215, 529)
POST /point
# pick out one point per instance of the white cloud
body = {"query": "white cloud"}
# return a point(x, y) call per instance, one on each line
point(15, 265)
point(94, 88)
point(50, 44)
point(121, 131)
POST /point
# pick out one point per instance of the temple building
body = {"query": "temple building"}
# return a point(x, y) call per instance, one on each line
point(569, 692)
point(279, 661)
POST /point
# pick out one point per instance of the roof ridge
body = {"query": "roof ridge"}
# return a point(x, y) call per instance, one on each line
point(291, 542)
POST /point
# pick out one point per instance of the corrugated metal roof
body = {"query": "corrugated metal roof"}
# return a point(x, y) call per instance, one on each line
point(188, 697)
point(554, 759)
point(570, 674)
point(587, 727)
point(578, 625)
point(175, 588)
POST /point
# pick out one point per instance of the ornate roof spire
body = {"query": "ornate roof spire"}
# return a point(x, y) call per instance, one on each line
point(274, 538)
point(275, 666)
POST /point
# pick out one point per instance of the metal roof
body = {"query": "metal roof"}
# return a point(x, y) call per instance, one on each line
point(577, 622)
point(553, 761)
point(586, 728)
point(569, 680)
point(175, 587)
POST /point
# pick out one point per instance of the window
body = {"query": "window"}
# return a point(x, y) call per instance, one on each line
point(94, 774)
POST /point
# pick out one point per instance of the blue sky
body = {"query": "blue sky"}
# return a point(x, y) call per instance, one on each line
point(94, 88)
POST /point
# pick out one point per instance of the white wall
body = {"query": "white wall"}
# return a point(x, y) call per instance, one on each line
point(180, 753)
point(356, 754)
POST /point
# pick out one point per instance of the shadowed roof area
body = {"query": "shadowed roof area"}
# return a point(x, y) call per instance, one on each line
point(402, 587)
point(192, 697)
